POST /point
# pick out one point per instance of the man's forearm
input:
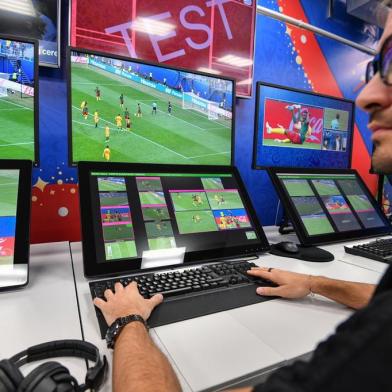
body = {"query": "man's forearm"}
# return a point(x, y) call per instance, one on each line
point(138, 364)
point(353, 294)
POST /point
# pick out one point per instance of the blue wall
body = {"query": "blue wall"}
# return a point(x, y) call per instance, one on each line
point(275, 62)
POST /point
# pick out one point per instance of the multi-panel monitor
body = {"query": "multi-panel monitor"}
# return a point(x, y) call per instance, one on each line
point(18, 98)
point(125, 110)
point(129, 210)
point(297, 128)
point(328, 205)
point(15, 201)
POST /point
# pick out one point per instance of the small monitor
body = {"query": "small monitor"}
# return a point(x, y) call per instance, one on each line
point(328, 205)
point(298, 128)
point(193, 214)
point(126, 110)
point(15, 200)
point(18, 98)
point(385, 194)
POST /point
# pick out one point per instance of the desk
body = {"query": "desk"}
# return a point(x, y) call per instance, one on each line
point(243, 345)
point(45, 310)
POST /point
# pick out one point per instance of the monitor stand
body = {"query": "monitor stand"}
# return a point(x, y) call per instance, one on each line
point(285, 226)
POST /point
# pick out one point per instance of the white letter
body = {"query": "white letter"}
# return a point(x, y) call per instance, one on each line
point(123, 29)
point(220, 3)
point(195, 26)
point(155, 39)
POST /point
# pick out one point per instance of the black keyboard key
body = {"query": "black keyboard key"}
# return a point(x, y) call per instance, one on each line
point(170, 293)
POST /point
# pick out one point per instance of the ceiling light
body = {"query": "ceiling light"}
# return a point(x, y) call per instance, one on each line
point(152, 26)
point(209, 70)
point(243, 82)
point(236, 61)
point(23, 7)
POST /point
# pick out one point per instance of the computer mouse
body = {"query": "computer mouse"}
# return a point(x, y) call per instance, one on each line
point(287, 246)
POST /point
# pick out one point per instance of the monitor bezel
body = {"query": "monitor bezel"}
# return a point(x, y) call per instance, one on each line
point(299, 227)
point(70, 49)
point(36, 90)
point(93, 269)
point(259, 84)
point(22, 229)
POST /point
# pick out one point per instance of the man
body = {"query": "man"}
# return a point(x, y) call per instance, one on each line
point(96, 118)
point(106, 153)
point(335, 123)
point(138, 111)
point(357, 358)
point(107, 133)
point(118, 120)
point(122, 101)
point(300, 119)
point(154, 108)
point(97, 93)
point(169, 108)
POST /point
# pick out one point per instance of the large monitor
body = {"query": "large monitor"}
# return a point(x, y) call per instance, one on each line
point(15, 201)
point(328, 205)
point(124, 110)
point(297, 128)
point(129, 210)
point(18, 98)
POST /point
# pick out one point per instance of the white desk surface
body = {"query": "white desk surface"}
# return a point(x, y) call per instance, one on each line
point(222, 349)
point(45, 309)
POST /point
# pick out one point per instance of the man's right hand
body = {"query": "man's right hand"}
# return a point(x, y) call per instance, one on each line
point(125, 301)
point(290, 284)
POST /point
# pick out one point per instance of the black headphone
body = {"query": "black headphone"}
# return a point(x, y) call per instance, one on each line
point(52, 376)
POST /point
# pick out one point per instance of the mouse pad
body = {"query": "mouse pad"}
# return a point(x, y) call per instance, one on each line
point(306, 253)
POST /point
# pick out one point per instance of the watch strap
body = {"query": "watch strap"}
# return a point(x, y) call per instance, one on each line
point(114, 330)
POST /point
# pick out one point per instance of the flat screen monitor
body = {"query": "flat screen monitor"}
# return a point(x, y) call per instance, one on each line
point(131, 211)
point(37, 19)
point(328, 205)
point(124, 110)
point(297, 128)
point(15, 200)
point(385, 194)
point(18, 98)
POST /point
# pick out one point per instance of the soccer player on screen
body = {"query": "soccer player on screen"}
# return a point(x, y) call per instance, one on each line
point(126, 113)
point(97, 93)
point(154, 108)
point(82, 105)
point(118, 120)
point(169, 108)
point(107, 133)
point(85, 111)
point(138, 111)
point(196, 218)
point(300, 119)
point(96, 118)
point(128, 123)
point(122, 101)
point(106, 153)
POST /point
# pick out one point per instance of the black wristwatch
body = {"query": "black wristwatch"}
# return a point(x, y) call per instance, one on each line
point(114, 330)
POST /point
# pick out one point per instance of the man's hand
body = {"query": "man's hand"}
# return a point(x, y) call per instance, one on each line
point(125, 301)
point(291, 284)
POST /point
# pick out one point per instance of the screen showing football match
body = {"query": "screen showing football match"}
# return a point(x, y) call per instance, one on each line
point(299, 129)
point(126, 111)
point(17, 65)
point(136, 212)
point(329, 204)
point(9, 181)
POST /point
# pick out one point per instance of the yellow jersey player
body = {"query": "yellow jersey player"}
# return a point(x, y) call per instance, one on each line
point(107, 133)
point(118, 120)
point(82, 105)
point(106, 153)
point(96, 118)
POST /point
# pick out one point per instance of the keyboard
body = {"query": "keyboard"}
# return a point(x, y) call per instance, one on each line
point(380, 250)
point(192, 292)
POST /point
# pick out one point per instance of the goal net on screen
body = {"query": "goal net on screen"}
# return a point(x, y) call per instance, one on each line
point(191, 101)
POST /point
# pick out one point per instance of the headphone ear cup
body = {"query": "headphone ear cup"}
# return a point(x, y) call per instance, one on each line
point(10, 376)
point(48, 377)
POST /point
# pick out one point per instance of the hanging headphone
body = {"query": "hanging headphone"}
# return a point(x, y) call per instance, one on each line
point(52, 376)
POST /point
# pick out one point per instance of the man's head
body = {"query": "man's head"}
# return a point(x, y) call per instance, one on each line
point(304, 113)
point(376, 99)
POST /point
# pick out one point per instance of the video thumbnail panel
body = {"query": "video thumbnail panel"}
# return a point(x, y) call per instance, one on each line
point(9, 182)
point(189, 200)
point(312, 215)
point(116, 221)
point(231, 219)
point(195, 221)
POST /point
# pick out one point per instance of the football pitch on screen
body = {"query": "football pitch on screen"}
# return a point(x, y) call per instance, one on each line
point(184, 137)
point(9, 194)
point(318, 224)
point(195, 222)
point(16, 127)
point(306, 145)
point(120, 250)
